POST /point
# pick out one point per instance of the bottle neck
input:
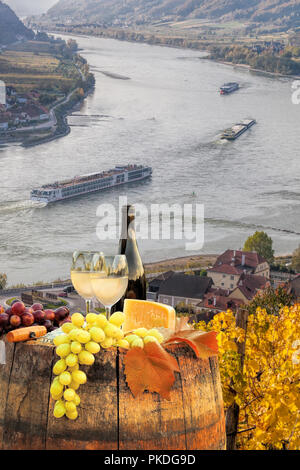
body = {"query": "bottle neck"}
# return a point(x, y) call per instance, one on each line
point(128, 223)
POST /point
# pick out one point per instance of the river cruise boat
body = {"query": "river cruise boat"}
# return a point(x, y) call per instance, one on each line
point(90, 183)
point(229, 88)
point(238, 129)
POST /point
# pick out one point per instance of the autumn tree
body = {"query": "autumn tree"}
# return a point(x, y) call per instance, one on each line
point(262, 244)
point(296, 259)
point(260, 373)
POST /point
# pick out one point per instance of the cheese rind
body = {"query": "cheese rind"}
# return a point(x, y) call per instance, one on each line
point(147, 314)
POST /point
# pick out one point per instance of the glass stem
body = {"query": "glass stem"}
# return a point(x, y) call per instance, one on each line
point(107, 311)
point(88, 306)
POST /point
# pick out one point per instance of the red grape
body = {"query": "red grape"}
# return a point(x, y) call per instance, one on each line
point(27, 319)
point(50, 315)
point(39, 316)
point(18, 308)
point(4, 319)
point(61, 313)
point(15, 321)
point(36, 307)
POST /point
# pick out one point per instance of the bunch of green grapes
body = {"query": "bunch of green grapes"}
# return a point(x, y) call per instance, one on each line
point(139, 337)
point(82, 338)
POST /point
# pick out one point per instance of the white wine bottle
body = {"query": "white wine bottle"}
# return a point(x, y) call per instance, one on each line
point(128, 246)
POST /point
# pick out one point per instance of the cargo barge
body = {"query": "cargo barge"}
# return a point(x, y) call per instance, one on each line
point(238, 129)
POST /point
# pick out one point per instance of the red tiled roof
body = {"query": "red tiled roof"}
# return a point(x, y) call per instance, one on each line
point(250, 284)
point(251, 258)
point(221, 302)
point(226, 269)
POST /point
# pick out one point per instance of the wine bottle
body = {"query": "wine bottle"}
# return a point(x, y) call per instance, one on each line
point(128, 246)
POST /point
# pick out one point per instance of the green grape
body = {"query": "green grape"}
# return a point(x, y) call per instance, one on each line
point(75, 367)
point(131, 338)
point(72, 415)
point(61, 339)
point(107, 343)
point(77, 399)
point(101, 321)
point(137, 343)
point(154, 332)
point(59, 409)
point(117, 319)
point(92, 347)
point(73, 333)
point(77, 319)
point(74, 385)
point(111, 331)
point(59, 367)
point(65, 378)
point(70, 407)
point(91, 318)
point(97, 334)
point(63, 350)
point(86, 358)
point(141, 332)
point(56, 388)
point(57, 397)
point(150, 339)
point(83, 337)
point(69, 394)
point(76, 347)
point(71, 360)
point(123, 343)
point(67, 327)
point(78, 376)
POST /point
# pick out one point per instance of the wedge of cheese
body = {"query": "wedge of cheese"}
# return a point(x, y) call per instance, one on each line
point(146, 314)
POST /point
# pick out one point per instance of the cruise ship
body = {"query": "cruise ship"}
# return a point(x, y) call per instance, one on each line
point(90, 183)
point(235, 131)
point(229, 88)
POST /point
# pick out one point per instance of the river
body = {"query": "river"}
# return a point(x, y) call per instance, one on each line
point(167, 113)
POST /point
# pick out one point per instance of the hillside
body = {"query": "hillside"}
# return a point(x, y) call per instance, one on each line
point(284, 13)
point(11, 28)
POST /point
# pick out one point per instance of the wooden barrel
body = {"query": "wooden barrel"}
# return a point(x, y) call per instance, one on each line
point(109, 416)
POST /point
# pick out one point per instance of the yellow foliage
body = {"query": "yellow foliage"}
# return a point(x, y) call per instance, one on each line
point(268, 388)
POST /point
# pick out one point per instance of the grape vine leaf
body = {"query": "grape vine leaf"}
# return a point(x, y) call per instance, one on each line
point(182, 323)
point(151, 368)
point(203, 343)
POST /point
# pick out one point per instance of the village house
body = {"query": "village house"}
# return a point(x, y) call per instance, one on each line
point(248, 286)
point(294, 288)
point(229, 267)
point(179, 287)
point(154, 285)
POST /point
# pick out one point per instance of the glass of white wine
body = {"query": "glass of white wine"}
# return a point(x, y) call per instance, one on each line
point(109, 279)
point(80, 276)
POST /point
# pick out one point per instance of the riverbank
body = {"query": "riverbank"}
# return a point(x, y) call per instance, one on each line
point(45, 80)
point(169, 41)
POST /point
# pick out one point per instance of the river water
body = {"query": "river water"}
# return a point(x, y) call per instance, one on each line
point(168, 114)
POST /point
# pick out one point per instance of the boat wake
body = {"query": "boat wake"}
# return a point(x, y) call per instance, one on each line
point(18, 206)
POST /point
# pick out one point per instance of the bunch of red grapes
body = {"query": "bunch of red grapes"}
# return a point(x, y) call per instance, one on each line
point(20, 316)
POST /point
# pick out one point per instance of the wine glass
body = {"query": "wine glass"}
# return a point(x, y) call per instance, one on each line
point(109, 279)
point(80, 275)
